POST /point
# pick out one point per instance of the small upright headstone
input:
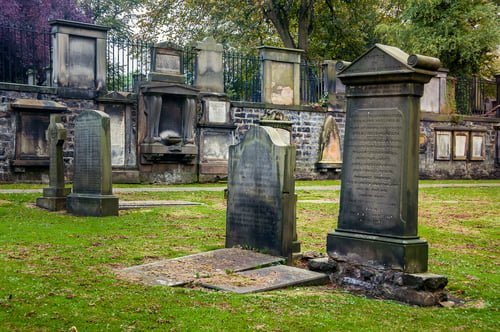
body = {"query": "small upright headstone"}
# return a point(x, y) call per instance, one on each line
point(330, 155)
point(54, 197)
point(210, 70)
point(261, 197)
point(379, 194)
point(92, 187)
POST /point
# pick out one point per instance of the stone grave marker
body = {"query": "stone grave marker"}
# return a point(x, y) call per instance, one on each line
point(54, 197)
point(92, 187)
point(261, 193)
point(377, 223)
point(231, 269)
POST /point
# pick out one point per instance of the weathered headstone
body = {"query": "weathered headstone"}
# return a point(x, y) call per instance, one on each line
point(379, 194)
point(92, 187)
point(330, 154)
point(210, 71)
point(54, 197)
point(261, 197)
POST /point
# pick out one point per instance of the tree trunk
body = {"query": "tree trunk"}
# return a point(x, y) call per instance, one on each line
point(279, 17)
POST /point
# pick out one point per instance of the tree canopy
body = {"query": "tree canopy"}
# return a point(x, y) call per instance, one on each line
point(323, 29)
point(37, 13)
point(463, 34)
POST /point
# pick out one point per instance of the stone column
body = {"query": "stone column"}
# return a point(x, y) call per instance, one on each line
point(54, 197)
point(281, 75)
point(379, 195)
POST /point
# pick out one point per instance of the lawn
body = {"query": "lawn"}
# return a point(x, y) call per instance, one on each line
point(59, 271)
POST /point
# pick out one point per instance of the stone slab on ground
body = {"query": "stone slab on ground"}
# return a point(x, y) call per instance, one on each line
point(268, 278)
point(125, 205)
point(230, 269)
point(191, 269)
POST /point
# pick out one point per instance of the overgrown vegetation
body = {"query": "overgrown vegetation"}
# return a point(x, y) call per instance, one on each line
point(58, 271)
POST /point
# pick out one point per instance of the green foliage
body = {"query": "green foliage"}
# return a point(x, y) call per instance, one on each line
point(463, 34)
point(324, 29)
point(119, 15)
point(59, 271)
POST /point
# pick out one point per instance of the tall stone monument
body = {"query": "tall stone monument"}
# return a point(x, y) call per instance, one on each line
point(261, 193)
point(377, 224)
point(92, 186)
point(54, 197)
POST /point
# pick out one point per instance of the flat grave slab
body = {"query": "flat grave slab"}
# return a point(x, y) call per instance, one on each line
point(230, 269)
point(268, 278)
point(183, 270)
point(125, 205)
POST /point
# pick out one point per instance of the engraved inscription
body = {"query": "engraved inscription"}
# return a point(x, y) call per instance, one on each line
point(372, 188)
point(255, 192)
point(87, 178)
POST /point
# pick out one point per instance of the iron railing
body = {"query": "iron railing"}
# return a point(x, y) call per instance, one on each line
point(474, 96)
point(189, 59)
point(242, 77)
point(129, 63)
point(25, 55)
point(312, 83)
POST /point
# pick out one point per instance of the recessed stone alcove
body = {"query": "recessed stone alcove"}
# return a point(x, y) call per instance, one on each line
point(167, 119)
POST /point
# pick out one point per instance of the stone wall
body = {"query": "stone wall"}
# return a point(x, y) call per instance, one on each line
point(43, 101)
point(306, 130)
point(464, 165)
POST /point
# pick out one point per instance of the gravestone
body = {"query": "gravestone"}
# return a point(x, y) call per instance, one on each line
point(209, 76)
point(92, 187)
point(330, 159)
point(261, 193)
point(377, 223)
point(54, 197)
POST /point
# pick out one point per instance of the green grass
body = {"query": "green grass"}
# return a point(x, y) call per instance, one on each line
point(58, 270)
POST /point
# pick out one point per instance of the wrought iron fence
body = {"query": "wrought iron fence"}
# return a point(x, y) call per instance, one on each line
point(474, 96)
point(189, 59)
point(24, 52)
point(312, 83)
point(242, 77)
point(129, 62)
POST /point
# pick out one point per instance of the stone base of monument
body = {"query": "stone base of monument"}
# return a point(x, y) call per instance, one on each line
point(408, 255)
point(54, 199)
point(231, 269)
point(423, 289)
point(92, 205)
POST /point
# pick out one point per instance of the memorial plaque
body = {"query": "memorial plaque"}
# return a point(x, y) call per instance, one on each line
point(282, 83)
point(460, 145)
point(377, 223)
point(443, 145)
point(82, 61)
point(217, 111)
point(92, 187)
point(168, 63)
point(117, 131)
point(261, 198)
point(477, 146)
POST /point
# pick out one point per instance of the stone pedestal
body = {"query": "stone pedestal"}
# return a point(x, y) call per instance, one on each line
point(281, 75)
point(379, 194)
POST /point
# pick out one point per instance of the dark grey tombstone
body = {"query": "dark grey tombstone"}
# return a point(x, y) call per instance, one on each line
point(54, 197)
point(379, 193)
point(261, 193)
point(92, 187)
